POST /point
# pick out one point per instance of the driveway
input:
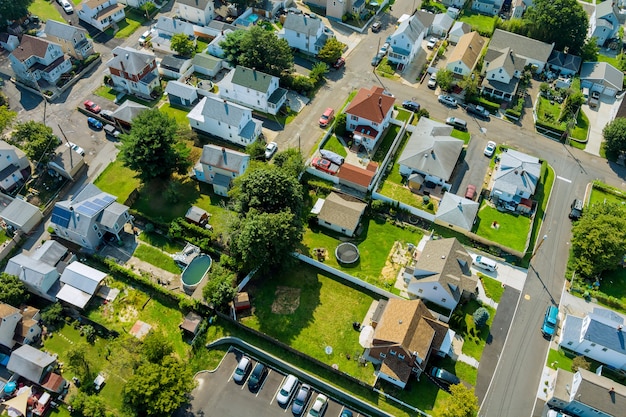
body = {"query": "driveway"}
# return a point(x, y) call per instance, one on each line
point(599, 117)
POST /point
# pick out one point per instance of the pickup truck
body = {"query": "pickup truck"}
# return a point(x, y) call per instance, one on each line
point(325, 165)
point(594, 99)
point(479, 111)
point(111, 131)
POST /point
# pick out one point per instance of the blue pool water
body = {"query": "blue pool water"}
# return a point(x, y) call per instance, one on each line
point(196, 270)
point(253, 18)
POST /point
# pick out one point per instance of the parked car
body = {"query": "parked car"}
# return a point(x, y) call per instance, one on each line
point(319, 406)
point(325, 165)
point(301, 400)
point(91, 106)
point(95, 123)
point(377, 26)
point(490, 148)
point(550, 320)
point(411, 105)
point(444, 376)
point(346, 413)
point(447, 100)
point(376, 60)
point(107, 114)
point(432, 42)
point(242, 369)
point(470, 191)
point(287, 390)
point(594, 99)
point(479, 111)
point(66, 5)
point(257, 376)
point(339, 63)
point(112, 131)
point(145, 36)
point(485, 263)
point(327, 117)
point(432, 81)
point(270, 150)
point(385, 48)
point(457, 123)
point(576, 209)
point(76, 148)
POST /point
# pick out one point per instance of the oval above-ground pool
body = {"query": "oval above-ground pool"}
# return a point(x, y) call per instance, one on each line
point(195, 272)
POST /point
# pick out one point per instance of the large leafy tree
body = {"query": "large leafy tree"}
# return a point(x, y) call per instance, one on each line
point(445, 78)
point(158, 389)
point(331, 51)
point(563, 22)
point(14, 9)
point(291, 161)
point(598, 239)
point(267, 189)
point(80, 364)
point(88, 405)
point(590, 50)
point(220, 289)
point(264, 51)
point(182, 44)
point(152, 147)
point(231, 45)
point(462, 403)
point(615, 135)
point(36, 139)
point(12, 290)
point(6, 117)
point(156, 347)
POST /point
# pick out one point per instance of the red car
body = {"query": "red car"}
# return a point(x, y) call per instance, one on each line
point(339, 63)
point(325, 165)
point(470, 192)
point(327, 117)
point(91, 106)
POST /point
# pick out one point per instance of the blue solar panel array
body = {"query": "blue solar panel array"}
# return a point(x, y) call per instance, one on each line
point(92, 207)
point(61, 216)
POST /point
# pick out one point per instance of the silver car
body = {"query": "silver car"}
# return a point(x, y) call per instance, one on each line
point(302, 398)
point(447, 100)
point(242, 369)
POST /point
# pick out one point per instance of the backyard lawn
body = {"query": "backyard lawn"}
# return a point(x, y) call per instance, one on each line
point(157, 258)
point(106, 92)
point(333, 144)
point(582, 127)
point(177, 113)
point(404, 195)
point(45, 10)
point(480, 23)
point(117, 180)
point(160, 241)
point(384, 146)
point(310, 311)
point(493, 287)
point(601, 196)
point(462, 322)
point(511, 230)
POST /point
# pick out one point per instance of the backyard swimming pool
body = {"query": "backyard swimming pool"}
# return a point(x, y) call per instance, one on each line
point(195, 272)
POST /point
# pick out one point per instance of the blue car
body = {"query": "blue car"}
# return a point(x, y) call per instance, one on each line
point(95, 123)
point(550, 321)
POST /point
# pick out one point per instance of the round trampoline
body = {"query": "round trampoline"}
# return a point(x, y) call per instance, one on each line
point(347, 253)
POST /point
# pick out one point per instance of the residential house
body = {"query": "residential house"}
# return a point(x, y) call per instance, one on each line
point(87, 216)
point(165, 28)
point(507, 56)
point(207, 65)
point(604, 23)
point(601, 77)
point(458, 29)
point(9, 41)
point(133, 72)
point(488, 7)
point(175, 66)
point(442, 274)
point(337, 9)
point(228, 121)
point(133, 3)
point(405, 43)
point(586, 394)
point(79, 284)
point(270, 8)
point(466, 54)
point(36, 366)
point(515, 180)
point(72, 39)
point(456, 212)
point(341, 213)
point(564, 63)
point(37, 59)
point(368, 115)
point(181, 94)
point(9, 320)
point(14, 167)
point(357, 177)
point(308, 34)
point(217, 27)
point(28, 330)
point(199, 12)
point(101, 14)
point(442, 22)
point(518, 8)
point(55, 254)
point(67, 163)
point(219, 166)
point(125, 113)
point(406, 336)
point(254, 89)
point(21, 215)
point(214, 47)
point(458, 4)
point(430, 153)
point(599, 335)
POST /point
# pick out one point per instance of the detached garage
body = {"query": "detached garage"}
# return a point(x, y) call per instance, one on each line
point(601, 77)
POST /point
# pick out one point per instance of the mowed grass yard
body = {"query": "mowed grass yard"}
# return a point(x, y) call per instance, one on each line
point(462, 322)
point(157, 258)
point(309, 311)
point(512, 230)
point(478, 22)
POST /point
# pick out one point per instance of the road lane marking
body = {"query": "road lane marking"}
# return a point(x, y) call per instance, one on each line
point(558, 177)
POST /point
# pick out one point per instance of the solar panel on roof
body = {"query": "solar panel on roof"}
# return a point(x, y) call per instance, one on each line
point(87, 211)
point(61, 216)
point(103, 202)
point(108, 199)
point(92, 205)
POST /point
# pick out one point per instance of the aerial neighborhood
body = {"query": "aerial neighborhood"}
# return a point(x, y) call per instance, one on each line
point(323, 208)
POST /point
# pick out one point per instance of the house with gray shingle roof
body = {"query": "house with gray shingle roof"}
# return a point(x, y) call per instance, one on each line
point(599, 335)
point(14, 167)
point(175, 66)
point(207, 65)
point(199, 12)
point(181, 94)
point(21, 215)
point(507, 56)
point(442, 274)
point(458, 29)
point(31, 363)
point(72, 39)
point(219, 166)
point(406, 42)
point(431, 152)
point(602, 77)
point(133, 72)
point(9, 41)
point(515, 178)
point(101, 14)
point(341, 213)
point(165, 28)
point(254, 89)
point(38, 59)
point(456, 212)
point(604, 22)
point(38, 276)
point(228, 121)
point(566, 64)
point(305, 33)
point(126, 112)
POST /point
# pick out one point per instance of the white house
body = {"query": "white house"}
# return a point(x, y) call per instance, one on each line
point(72, 39)
point(14, 167)
point(133, 72)
point(515, 177)
point(175, 66)
point(101, 14)
point(458, 29)
point(181, 94)
point(39, 277)
point(18, 325)
point(165, 28)
point(488, 7)
point(133, 3)
point(9, 319)
point(456, 212)
point(599, 336)
point(406, 42)
point(305, 33)
point(466, 54)
point(341, 213)
point(79, 284)
point(21, 215)
point(601, 77)
point(603, 23)
point(214, 47)
point(368, 115)
point(207, 64)
point(228, 121)
point(253, 89)
point(38, 59)
point(9, 41)
point(219, 166)
point(442, 22)
point(458, 4)
point(199, 12)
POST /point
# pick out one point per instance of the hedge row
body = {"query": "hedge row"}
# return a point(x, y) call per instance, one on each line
point(489, 105)
point(550, 126)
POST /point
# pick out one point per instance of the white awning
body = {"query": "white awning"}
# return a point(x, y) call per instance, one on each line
point(366, 337)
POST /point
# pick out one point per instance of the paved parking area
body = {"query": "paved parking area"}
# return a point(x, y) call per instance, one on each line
point(217, 394)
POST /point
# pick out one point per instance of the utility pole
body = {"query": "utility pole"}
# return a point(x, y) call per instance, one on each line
point(545, 237)
point(68, 144)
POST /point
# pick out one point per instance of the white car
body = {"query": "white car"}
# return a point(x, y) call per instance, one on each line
point(432, 81)
point(65, 4)
point(76, 148)
point(432, 42)
point(384, 48)
point(270, 150)
point(242, 369)
point(490, 148)
point(447, 100)
point(319, 406)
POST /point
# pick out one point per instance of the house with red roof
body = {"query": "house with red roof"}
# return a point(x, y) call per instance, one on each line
point(357, 177)
point(368, 115)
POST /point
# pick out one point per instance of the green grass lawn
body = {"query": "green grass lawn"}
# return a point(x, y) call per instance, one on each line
point(118, 180)
point(549, 111)
point(404, 195)
point(45, 10)
point(557, 359)
point(160, 241)
point(106, 92)
point(317, 311)
point(478, 22)
point(493, 287)
point(403, 115)
point(333, 144)
point(462, 322)
point(459, 134)
point(157, 258)
point(384, 146)
point(582, 127)
point(512, 231)
point(179, 114)
point(374, 243)
point(600, 196)
point(611, 60)
point(133, 20)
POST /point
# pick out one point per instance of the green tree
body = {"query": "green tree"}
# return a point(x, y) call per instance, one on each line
point(158, 389)
point(331, 51)
point(152, 148)
point(155, 347)
point(290, 161)
point(445, 77)
point(53, 315)
point(14, 9)
point(89, 332)
point(340, 124)
point(79, 362)
point(481, 317)
point(580, 362)
point(256, 150)
point(462, 403)
point(595, 250)
point(470, 85)
point(6, 117)
point(615, 135)
point(590, 50)
point(263, 51)
point(182, 45)
point(563, 22)
point(318, 72)
point(88, 405)
point(220, 289)
point(12, 290)
point(231, 45)
point(36, 139)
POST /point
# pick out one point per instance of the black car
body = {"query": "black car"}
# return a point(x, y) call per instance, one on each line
point(444, 376)
point(257, 376)
point(376, 27)
point(411, 105)
point(576, 209)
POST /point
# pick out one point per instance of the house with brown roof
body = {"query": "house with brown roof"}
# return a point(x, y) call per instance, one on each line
point(18, 325)
point(442, 274)
point(133, 72)
point(406, 335)
point(368, 115)
point(9, 319)
point(37, 59)
point(466, 54)
point(341, 213)
point(101, 14)
point(357, 177)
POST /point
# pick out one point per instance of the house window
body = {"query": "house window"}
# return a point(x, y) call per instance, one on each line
point(443, 300)
point(593, 344)
point(392, 352)
point(99, 235)
point(401, 356)
point(420, 291)
point(569, 343)
point(343, 230)
point(95, 227)
point(586, 350)
point(435, 288)
point(604, 349)
point(383, 355)
point(416, 370)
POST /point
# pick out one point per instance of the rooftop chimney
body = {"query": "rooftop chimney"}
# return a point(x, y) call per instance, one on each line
point(224, 156)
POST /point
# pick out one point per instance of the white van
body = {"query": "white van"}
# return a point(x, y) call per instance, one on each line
point(287, 390)
point(485, 263)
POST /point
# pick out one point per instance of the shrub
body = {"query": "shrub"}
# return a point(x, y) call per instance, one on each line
point(481, 316)
point(53, 315)
point(378, 205)
point(580, 362)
